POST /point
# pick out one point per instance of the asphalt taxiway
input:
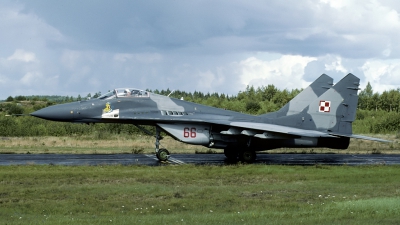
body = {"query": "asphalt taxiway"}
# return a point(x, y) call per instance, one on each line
point(198, 159)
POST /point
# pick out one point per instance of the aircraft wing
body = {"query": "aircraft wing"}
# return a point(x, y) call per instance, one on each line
point(257, 129)
point(295, 131)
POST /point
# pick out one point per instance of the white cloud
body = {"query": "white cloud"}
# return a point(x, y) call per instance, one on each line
point(209, 81)
point(3, 80)
point(22, 55)
point(382, 74)
point(205, 80)
point(188, 46)
point(360, 16)
point(336, 65)
point(140, 57)
point(70, 59)
point(31, 78)
point(284, 72)
point(337, 4)
point(24, 30)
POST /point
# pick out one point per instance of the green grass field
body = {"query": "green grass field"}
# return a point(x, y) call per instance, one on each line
point(189, 194)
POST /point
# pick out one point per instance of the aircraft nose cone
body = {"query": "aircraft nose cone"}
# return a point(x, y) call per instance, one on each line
point(62, 112)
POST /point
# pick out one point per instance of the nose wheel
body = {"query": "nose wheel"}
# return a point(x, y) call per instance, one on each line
point(162, 154)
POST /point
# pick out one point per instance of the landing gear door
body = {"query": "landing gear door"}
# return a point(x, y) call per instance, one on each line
point(197, 134)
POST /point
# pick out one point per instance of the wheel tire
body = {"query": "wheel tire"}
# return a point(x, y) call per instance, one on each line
point(162, 155)
point(231, 154)
point(247, 156)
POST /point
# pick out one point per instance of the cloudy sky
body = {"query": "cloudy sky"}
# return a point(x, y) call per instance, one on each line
point(78, 47)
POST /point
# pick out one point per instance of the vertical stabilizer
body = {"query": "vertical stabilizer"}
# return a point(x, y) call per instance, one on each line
point(335, 110)
point(332, 112)
point(304, 98)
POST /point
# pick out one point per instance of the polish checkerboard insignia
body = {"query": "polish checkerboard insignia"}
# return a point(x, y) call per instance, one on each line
point(324, 106)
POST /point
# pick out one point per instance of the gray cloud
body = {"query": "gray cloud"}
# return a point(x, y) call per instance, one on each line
point(88, 46)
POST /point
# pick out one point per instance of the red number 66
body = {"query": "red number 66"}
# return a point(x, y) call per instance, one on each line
point(189, 132)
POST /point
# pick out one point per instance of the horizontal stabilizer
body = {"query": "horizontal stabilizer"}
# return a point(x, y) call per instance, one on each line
point(361, 137)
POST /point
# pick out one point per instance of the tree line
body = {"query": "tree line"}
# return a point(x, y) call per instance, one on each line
point(387, 101)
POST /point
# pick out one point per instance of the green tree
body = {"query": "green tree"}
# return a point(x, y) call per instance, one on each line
point(15, 109)
point(96, 95)
point(9, 99)
point(365, 100)
point(252, 107)
point(20, 98)
point(374, 103)
point(281, 98)
point(269, 92)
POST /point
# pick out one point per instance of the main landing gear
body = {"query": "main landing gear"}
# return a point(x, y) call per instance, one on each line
point(244, 154)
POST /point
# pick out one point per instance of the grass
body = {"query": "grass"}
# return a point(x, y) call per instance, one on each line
point(188, 194)
point(145, 144)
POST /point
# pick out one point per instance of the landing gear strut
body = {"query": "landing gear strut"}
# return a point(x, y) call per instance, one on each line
point(162, 154)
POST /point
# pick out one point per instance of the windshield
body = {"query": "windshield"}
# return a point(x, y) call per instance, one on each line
point(125, 93)
point(107, 95)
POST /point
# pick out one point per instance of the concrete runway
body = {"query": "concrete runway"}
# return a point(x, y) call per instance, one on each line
point(198, 159)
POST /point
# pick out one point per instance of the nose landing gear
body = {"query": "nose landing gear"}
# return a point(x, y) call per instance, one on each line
point(162, 154)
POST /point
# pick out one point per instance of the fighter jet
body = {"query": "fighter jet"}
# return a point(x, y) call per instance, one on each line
point(320, 116)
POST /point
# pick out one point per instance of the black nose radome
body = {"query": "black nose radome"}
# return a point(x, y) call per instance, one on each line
point(63, 112)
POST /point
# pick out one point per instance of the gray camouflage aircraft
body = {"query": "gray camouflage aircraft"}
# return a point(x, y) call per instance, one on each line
point(320, 116)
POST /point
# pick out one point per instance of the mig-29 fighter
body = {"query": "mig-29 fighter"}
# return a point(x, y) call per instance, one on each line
point(320, 116)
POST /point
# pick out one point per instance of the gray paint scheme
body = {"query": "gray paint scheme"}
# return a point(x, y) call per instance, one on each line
point(320, 116)
point(303, 99)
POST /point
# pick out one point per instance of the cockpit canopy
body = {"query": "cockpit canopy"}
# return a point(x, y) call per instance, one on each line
point(125, 93)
